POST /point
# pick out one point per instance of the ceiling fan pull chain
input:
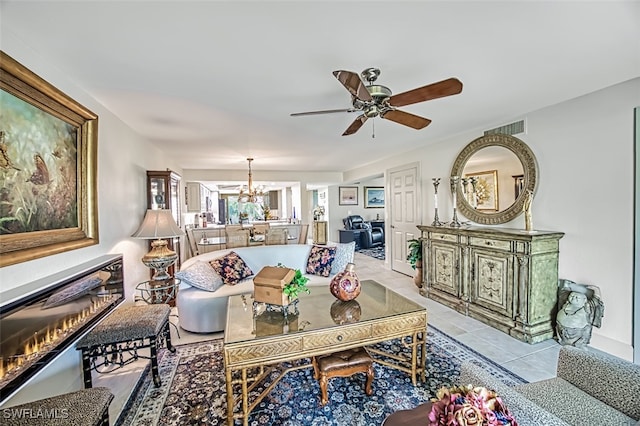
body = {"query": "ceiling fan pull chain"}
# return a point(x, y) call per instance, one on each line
point(373, 132)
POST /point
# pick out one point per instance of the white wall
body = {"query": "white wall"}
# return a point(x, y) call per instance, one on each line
point(123, 158)
point(584, 149)
point(339, 212)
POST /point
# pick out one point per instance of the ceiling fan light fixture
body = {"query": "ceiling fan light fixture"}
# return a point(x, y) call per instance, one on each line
point(377, 100)
point(379, 93)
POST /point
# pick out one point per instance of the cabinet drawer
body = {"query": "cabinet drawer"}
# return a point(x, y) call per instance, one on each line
point(444, 237)
point(490, 243)
point(335, 337)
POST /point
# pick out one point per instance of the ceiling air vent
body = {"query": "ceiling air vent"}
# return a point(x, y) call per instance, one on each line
point(507, 129)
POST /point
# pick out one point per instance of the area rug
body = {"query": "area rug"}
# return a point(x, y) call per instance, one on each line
point(377, 252)
point(193, 389)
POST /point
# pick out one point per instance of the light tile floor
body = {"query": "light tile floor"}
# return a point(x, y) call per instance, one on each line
point(531, 362)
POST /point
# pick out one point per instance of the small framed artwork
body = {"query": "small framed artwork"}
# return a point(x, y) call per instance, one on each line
point(486, 190)
point(348, 195)
point(373, 197)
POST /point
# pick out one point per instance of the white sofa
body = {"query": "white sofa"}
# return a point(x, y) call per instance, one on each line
point(203, 311)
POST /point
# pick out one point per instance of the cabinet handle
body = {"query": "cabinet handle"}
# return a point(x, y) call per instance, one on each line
point(442, 237)
point(339, 338)
point(489, 243)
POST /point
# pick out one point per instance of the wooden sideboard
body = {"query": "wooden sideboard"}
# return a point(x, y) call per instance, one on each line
point(506, 278)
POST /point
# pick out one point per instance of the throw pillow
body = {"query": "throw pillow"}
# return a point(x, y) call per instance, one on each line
point(344, 255)
point(72, 292)
point(231, 268)
point(201, 275)
point(320, 260)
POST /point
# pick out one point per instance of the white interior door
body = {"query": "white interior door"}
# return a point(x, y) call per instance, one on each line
point(404, 192)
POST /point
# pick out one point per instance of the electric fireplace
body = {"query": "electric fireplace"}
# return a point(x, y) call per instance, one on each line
point(40, 319)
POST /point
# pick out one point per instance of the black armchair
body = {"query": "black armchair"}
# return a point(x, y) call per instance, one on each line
point(370, 236)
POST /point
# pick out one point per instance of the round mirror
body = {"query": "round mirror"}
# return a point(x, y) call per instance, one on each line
point(496, 172)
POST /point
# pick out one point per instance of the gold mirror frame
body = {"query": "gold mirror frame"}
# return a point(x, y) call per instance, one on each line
point(529, 165)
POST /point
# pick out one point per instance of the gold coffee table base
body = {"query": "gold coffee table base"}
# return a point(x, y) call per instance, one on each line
point(252, 352)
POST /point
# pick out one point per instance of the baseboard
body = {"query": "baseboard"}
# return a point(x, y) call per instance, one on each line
point(611, 346)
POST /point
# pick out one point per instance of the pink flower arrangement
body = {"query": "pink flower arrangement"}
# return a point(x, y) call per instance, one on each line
point(469, 406)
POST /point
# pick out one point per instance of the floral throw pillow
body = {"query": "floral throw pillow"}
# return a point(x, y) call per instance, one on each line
point(201, 275)
point(344, 255)
point(231, 268)
point(320, 260)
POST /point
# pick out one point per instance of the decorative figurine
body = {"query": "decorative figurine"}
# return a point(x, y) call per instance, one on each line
point(580, 308)
point(526, 208)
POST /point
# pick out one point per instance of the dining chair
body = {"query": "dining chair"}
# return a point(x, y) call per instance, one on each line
point(261, 228)
point(237, 239)
point(233, 228)
point(304, 231)
point(193, 244)
point(276, 236)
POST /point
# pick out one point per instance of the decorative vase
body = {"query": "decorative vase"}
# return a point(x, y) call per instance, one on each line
point(345, 312)
point(417, 279)
point(345, 285)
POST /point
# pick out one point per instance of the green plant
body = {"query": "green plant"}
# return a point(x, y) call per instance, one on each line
point(298, 284)
point(414, 252)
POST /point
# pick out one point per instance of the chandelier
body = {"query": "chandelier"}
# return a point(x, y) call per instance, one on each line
point(253, 193)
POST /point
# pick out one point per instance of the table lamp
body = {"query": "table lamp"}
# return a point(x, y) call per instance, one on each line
point(159, 224)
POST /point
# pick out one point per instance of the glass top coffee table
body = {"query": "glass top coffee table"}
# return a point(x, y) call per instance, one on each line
point(257, 342)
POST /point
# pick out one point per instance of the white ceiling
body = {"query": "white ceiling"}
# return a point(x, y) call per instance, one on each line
point(214, 82)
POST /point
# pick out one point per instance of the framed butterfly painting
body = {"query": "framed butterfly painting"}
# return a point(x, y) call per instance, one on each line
point(48, 156)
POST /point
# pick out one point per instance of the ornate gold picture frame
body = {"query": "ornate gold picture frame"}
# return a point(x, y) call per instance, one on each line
point(48, 168)
point(487, 190)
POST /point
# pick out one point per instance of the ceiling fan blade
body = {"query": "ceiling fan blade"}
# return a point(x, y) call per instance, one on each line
point(448, 87)
point(355, 126)
point(326, 111)
point(406, 119)
point(353, 83)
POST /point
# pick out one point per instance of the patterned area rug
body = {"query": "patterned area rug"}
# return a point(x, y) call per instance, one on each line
point(193, 389)
point(377, 252)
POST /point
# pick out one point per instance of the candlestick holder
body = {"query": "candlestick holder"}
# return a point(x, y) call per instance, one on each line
point(436, 220)
point(474, 194)
point(455, 223)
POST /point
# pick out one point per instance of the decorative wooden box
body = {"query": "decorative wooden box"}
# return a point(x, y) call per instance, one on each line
point(268, 285)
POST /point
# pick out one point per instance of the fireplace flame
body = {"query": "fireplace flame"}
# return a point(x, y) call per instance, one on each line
point(43, 341)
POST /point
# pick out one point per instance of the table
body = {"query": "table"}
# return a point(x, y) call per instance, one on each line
point(348, 235)
point(418, 416)
point(257, 343)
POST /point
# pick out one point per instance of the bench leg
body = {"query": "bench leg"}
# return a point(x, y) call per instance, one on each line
point(167, 334)
point(86, 368)
point(154, 361)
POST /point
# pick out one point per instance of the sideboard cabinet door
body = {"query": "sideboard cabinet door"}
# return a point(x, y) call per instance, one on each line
point(491, 287)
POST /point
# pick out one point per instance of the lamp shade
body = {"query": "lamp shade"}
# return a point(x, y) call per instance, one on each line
point(158, 224)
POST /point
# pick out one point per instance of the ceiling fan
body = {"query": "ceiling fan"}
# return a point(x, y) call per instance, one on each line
point(376, 100)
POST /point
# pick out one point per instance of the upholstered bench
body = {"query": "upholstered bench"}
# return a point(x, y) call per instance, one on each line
point(342, 364)
point(87, 407)
point(125, 331)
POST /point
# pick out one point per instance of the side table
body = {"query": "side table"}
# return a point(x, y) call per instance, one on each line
point(160, 292)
